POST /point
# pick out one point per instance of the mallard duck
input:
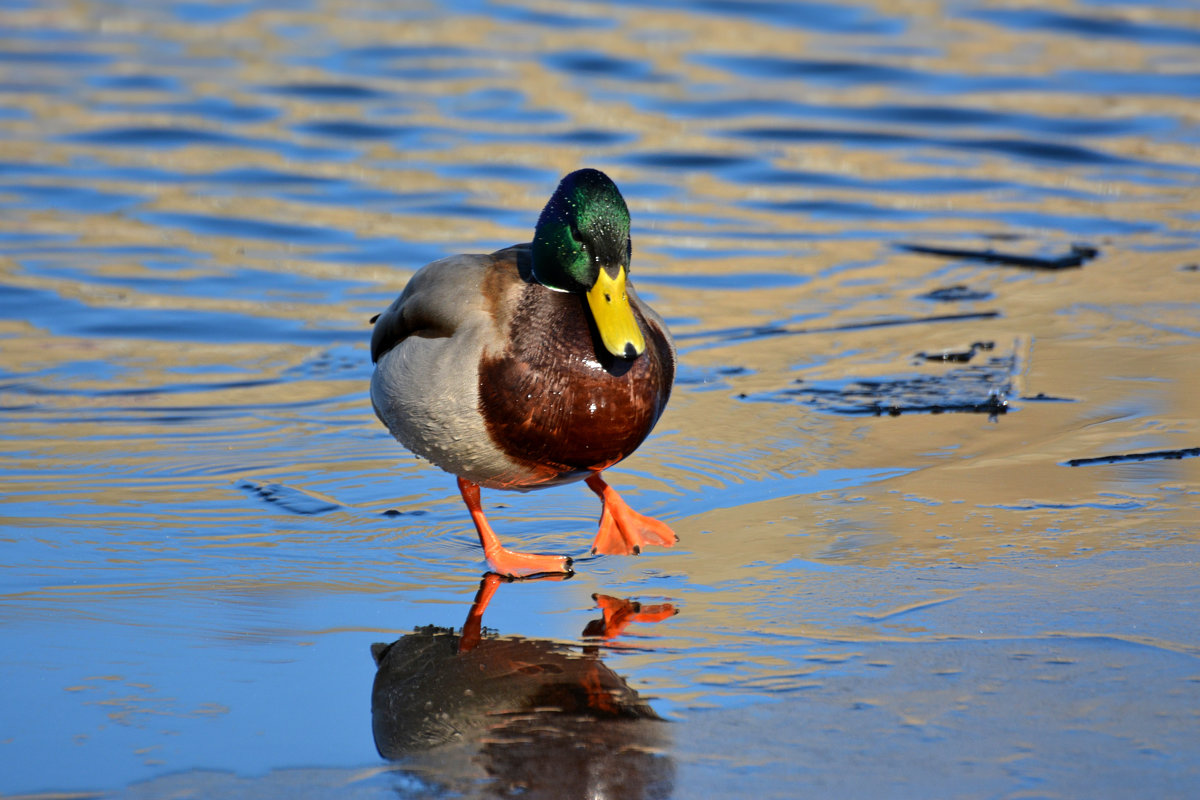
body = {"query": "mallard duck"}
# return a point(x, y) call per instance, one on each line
point(534, 366)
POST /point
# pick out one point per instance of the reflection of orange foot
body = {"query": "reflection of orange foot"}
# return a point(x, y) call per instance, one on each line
point(624, 531)
point(619, 613)
point(472, 629)
point(501, 560)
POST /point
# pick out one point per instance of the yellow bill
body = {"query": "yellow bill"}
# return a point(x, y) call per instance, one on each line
point(618, 327)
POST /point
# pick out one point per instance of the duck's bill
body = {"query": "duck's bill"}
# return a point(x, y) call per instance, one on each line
point(610, 307)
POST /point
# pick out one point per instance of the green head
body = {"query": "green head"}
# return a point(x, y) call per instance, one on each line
point(582, 245)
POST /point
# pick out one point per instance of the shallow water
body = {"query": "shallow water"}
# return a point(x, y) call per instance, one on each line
point(205, 528)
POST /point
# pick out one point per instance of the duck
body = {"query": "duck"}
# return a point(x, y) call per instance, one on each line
point(533, 366)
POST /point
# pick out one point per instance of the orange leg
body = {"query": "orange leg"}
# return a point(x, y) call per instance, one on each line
point(623, 531)
point(501, 560)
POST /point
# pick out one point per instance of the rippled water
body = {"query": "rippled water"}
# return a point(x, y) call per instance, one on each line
point(204, 528)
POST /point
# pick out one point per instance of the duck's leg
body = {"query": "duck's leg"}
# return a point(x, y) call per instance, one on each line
point(624, 531)
point(500, 559)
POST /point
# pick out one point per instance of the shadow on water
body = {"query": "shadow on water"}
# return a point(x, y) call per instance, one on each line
point(541, 718)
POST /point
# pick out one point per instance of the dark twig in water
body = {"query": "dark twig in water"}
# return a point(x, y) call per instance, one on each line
point(1042, 397)
point(960, 356)
point(955, 294)
point(1079, 254)
point(1154, 455)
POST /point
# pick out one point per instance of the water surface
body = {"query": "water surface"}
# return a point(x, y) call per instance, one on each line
point(204, 529)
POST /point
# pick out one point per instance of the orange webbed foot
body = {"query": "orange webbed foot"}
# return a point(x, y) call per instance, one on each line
point(512, 564)
point(500, 559)
point(624, 531)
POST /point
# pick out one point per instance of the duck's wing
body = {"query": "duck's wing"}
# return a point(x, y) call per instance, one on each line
point(442, 297)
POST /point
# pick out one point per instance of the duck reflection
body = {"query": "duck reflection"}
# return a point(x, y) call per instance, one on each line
point(540, 718)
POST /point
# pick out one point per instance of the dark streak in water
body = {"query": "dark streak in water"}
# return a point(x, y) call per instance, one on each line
point(208, 108)
point(326, 92)
point(354, 129)
point(288, 499)
point(686, 160)
point(957, 356)
point(165, 136)
point(135, 83)
point(417, 52)
point(550, 19)
point(169, 137)
point(1154, 455)
point(849, 72)
point(264, 176)
point(1042, 397)
point(588, 63)
point(956, 294)
point(1078, 255)
point(591, 137)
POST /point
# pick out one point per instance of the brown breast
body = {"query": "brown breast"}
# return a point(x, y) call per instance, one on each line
point(555, 402)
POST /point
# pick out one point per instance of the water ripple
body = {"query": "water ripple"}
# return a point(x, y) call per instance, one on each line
point(243, 227)
point(1021, 148)
point(327, 92)
point(145, 82)
point(79, 199)
point(926, 185)
point(368, 131)
point(72, 59)
point(839, 18)
point(1088, 27)
point(209, 108)
point(593, 64)
point(164, 136)
point(817, 70)
point(931, 115)
point(680, 160)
